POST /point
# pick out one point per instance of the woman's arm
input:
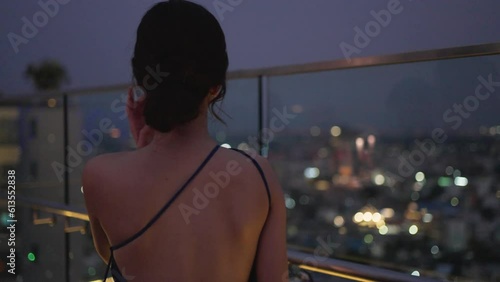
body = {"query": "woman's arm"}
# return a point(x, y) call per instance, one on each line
point(91, 195)
point(272, 261)
point(101, 243)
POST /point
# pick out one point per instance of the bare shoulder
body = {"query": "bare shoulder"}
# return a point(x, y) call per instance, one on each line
point(101, 164)
point(247, 165)
point(98, 171)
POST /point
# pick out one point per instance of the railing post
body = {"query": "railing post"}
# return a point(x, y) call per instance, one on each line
point(66, 184)
point(263, 101)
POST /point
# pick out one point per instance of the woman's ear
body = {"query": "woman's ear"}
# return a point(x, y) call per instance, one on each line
point(214, 92)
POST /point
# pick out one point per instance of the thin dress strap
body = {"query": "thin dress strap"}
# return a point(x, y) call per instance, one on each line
point(167, 205)
point(253, 271)
point(261, 172)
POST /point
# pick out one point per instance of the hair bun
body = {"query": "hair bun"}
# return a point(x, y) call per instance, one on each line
point(171, 103)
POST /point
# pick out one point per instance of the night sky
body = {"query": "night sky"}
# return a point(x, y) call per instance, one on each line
point(94, 41)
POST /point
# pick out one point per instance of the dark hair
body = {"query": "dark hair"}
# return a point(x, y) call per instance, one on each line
point(182, 39)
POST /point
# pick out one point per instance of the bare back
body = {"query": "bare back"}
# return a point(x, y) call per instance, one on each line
point(209, 233)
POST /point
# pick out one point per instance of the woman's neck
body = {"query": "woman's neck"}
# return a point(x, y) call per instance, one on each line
point(194, 133)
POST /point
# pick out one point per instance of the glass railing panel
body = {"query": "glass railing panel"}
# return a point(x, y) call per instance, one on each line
point(98, 125)
point(394, 166)
point(240, 111)
point(31, 142)
point(39, 249)
point(10, 149)
point(84, 262)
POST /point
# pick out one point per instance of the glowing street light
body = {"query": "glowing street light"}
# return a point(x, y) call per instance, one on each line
point(335, 131)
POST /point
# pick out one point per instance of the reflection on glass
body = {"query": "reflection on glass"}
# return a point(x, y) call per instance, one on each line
point(396, 166)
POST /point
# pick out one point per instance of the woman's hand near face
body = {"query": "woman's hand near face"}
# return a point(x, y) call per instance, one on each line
point(142, 134)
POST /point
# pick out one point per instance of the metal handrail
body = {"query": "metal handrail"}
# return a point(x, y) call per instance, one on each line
point(358, 62)
point(50, 207)
point(328, 266)
point(350, 270)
